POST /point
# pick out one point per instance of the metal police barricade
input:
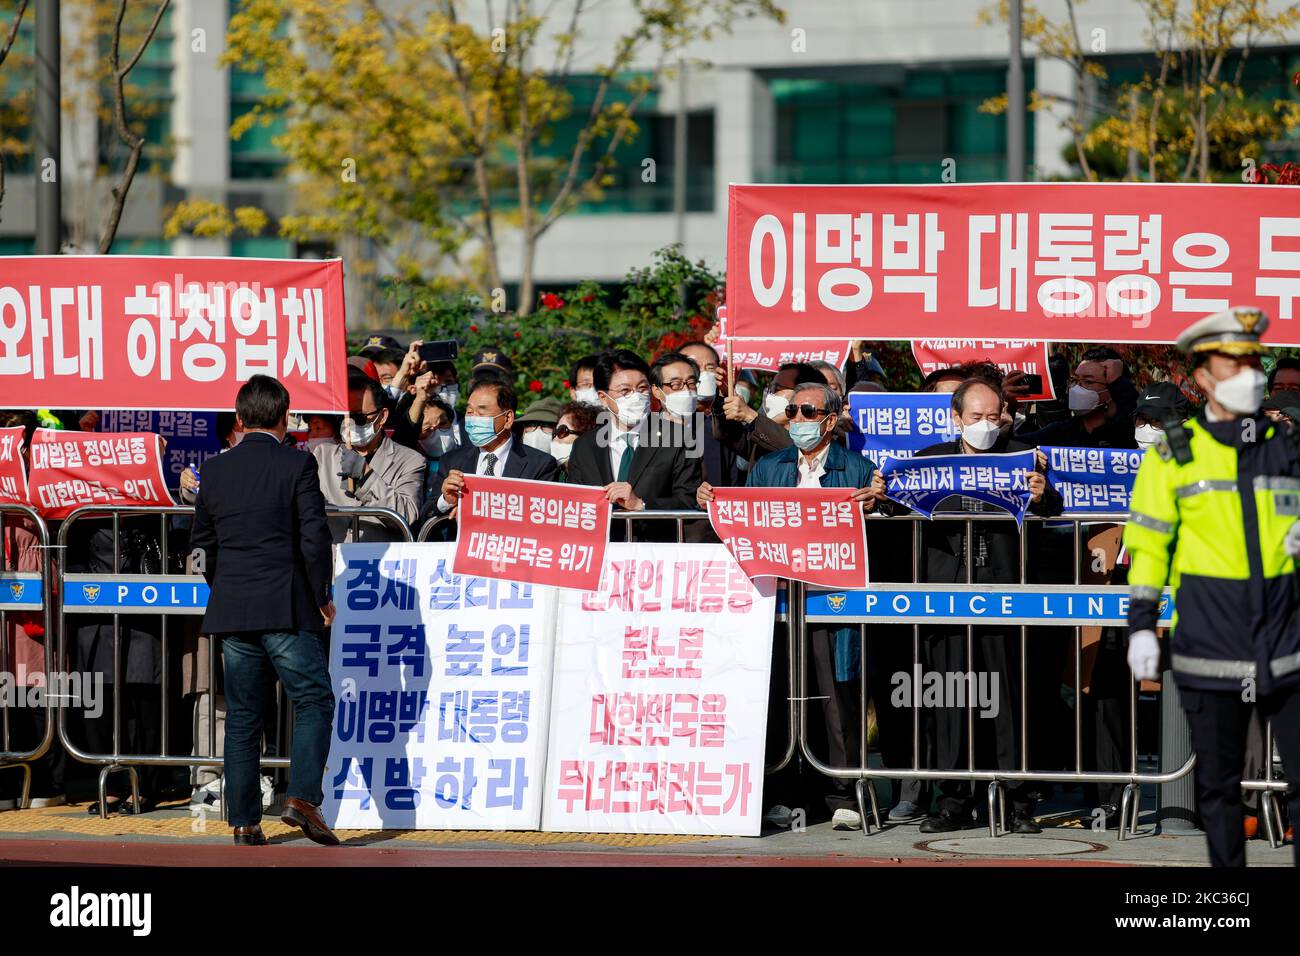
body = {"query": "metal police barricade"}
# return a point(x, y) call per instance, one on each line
point(1098, 605)
point(165, 594)
point(25, 592)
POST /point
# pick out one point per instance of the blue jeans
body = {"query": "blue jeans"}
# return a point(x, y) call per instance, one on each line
point(252, 661)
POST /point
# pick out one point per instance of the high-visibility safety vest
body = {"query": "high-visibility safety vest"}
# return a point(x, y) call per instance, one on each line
point(1213, 530)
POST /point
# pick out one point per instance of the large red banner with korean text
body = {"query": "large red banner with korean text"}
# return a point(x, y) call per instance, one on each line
point(13, 476)
point(117, 469)
point(538, 532)
point(1030, 357)
point(769, 355)
point(156, 332)
point(1082, 262)
point(814, 535)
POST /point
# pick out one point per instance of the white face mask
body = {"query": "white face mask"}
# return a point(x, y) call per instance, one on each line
point(1083, 400)
point(682, 404)
point(393, 392)
point(1241, 393)
point(980, 435)
point(632, 408)
point(774, 405)
point(436, 443)
point(587, 396)
point(561, 450)
point(708, 385)
point(449, 394)
point(745, 392)
point(1146, 435)
point(538, 439)
point(317, 442)
point(358, 434)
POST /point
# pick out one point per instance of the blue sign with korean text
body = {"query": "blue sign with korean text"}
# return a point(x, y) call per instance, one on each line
point(1093, 480)
point(191, 436)
point(1001, 481)
point(899, 424)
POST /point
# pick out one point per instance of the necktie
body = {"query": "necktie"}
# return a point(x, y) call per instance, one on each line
point(491, 461)
point(625, 463)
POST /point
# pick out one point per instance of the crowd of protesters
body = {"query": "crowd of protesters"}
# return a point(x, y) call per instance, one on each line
point(414, 429)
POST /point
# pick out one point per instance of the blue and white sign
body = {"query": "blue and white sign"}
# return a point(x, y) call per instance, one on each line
point(1064, 604)
point(442, 685)
point(191, 436)
point(1093, 480)
point(21, 591)
point(134, 593)
point(998, 480)
point(899, 424)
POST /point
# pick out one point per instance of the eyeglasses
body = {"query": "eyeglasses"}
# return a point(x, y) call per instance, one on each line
point(362, 418)
point(808, 411)
point(625, 391)
point(677, 384)
point(564, 431)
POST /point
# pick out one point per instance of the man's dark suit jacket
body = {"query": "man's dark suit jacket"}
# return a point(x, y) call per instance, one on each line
point(664, 473)
point(522, 462)
point(260, 522)
point(943, 542)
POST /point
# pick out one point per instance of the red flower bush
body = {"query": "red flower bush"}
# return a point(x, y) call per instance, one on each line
point(552, 301)
point(534, 386)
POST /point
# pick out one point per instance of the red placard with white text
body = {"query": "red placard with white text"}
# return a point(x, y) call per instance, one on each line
point(1031, 357)
point(13, 476)
point(814, 535)
point(159, 332)
point(1056, 262)
point(114, 469)
point(769, 355)
point(539, 532)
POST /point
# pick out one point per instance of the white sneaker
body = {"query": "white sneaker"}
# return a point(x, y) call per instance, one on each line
point(779, 816)
point(40, 803)
point(208, 796)
point(268, 792)
point(846, 819)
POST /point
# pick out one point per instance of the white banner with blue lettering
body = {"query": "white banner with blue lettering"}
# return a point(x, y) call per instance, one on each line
point(442, 685)
point(1093, 480)
point(998, 480)
point(660, 700)
point(899, 424)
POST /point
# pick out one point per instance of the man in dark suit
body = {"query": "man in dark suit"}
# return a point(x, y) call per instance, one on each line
point(261, 540)
point(994, 547)
point(643, 461)
point(492, 450)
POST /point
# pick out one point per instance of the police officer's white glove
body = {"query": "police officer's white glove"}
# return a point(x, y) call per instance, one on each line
point(1144, 655)
point(1292, 542)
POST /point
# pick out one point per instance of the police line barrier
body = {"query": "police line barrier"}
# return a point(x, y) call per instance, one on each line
point(1020, 604)
point(164, 594)
point(23, 592)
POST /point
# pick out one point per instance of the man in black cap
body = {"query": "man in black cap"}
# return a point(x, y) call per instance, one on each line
point(1157, 404)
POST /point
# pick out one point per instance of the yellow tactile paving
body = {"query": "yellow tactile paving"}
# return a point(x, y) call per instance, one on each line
point(75, 819)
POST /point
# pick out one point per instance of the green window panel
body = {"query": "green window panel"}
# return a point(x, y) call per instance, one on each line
point(262, 247)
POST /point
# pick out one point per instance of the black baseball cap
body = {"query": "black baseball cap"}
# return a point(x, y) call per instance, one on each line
point(1161, 402)
point(492, 358)
point(378, 343)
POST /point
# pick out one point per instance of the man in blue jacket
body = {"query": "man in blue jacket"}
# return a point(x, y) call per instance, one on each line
point(816, 460)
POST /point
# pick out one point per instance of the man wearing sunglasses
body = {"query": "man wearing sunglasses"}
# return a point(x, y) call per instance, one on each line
point(369, 469)
point(815, 460)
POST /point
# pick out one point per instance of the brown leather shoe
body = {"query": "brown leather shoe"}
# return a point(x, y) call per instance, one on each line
point(301, 814)
point(250, 836)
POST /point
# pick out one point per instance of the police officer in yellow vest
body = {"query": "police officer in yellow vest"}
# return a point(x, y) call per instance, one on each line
point(1214, 516)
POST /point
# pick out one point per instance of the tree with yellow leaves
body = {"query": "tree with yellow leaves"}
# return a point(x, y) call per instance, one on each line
point(1188, 117)
point(429, 128)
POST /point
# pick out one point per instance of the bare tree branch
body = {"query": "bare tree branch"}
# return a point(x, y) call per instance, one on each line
point(134, 143)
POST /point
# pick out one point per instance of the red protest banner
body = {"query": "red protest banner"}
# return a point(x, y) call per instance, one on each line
point(13, 476)
point(71, 469)
point(534, 531)
point(155, 332)
point(1030, 357)
point(1074, 262)
point(814, 535)
point(768, 355)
